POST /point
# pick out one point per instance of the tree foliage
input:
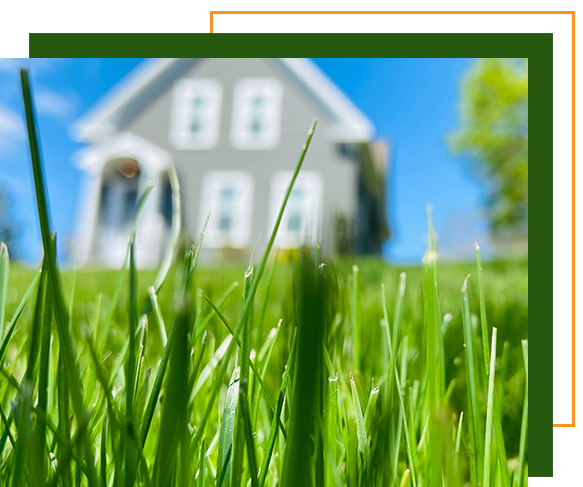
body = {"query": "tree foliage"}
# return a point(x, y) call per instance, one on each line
point(494, 133)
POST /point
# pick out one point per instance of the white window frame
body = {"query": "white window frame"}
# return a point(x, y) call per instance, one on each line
point(246, 90)
point(313, 183)
point(185, 91)
point(212, 184)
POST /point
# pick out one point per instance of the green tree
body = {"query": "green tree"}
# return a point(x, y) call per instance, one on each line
point(494, 133)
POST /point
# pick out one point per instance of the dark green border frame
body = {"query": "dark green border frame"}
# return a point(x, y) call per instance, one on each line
point(538, 48)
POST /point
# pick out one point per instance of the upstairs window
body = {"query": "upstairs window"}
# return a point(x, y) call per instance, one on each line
point(301, 219)
point(195, 114)
point(229, 196)
point(257, 113)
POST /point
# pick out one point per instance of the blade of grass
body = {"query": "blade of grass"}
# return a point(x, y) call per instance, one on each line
point(313, 290)
point(227, 431)
point(270, 342)
point(471, 384)
point(489, 414)
point(43, 384)
point(524, 424)
point(36, 464)
point(131, 365)
point(60, 308)
point(360, 427)
point(173, 421)
point(411, 452)
point(4, 271)
point(356, 315)
point(405, 478)
point(24, 428)
point(276, 417)
point(158, 315)
point(103, 455)
point(458, 441)
point(260, 324)
point(331, 431)
point(250, 444)
point(201, 326)
point(245, 350)
point(175, 229)
point(371, 408)
point(201, 472)
point(483, 322)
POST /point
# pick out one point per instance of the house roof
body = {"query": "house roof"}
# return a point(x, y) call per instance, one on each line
point(149, 79)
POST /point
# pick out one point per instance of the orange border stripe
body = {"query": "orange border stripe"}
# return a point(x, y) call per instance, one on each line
point(562, 26)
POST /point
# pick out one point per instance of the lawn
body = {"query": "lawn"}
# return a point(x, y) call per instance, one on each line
point(90, 294)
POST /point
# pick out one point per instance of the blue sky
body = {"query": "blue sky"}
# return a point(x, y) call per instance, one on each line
point(412, 102)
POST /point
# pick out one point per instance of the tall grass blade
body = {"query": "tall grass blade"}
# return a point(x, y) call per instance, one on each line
point(370, 411)
point(331, 432)
point(224, 465)
point(175, 229)
point(490, 412)
point(524, 424)
point(23, 440)
point(405, 478)
point(260, 324)
point(471, 385)
point(245, 351)
point(249, 442)
point(271, 341)
point(4, 271)
point(60, 308)
point(173, 421)
point(363, 447)
point(276, 417)
point(356, 315)
point(131, 365)
point(311, 315)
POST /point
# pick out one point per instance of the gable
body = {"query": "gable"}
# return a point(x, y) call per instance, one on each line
point(153, 77)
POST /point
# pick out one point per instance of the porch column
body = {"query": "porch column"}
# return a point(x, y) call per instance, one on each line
point(87, 217)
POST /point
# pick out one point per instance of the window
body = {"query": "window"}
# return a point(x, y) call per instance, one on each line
point(256, 113)
point(302, 215)
point(195, 114)
point(229, 196)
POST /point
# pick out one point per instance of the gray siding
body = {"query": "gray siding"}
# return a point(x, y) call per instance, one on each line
point(340, 192)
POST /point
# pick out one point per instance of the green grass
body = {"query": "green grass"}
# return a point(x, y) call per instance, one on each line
point(349, 372)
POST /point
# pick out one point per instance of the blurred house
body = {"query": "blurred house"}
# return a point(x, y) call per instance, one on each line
point(234, 130)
